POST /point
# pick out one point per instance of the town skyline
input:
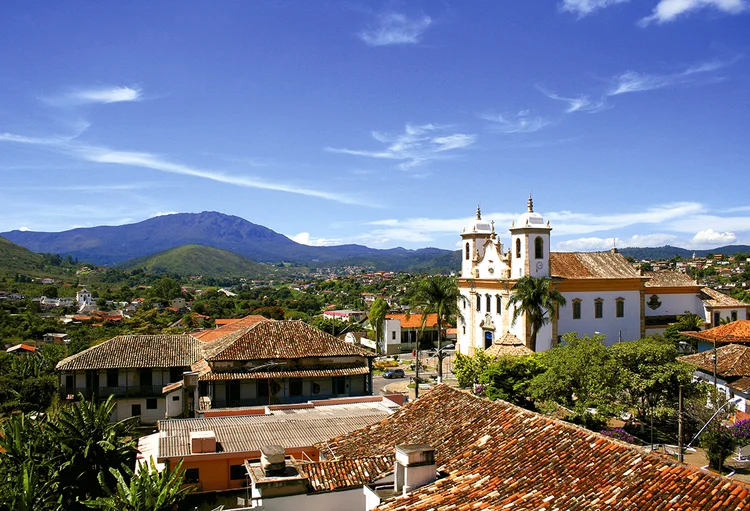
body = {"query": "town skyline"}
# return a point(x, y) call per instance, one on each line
point(383, 125)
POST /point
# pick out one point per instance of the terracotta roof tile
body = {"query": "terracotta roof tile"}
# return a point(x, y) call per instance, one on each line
point(274, 340)
point(508, 345)
point(736, 331)
point(334, 475)
point(668, 279)
point(591, 265)
point(414, 320)
point(732, 360)
point(499, 456)
point(713, 298)
point(228, 326)
point(136, 351)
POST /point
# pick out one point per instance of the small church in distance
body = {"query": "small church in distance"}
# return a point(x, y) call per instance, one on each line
point(604, 293)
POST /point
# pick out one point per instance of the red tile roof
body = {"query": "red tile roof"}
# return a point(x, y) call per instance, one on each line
point(713, 298)
point(414, 320)
point(499, 456)
point(136, 351)
point(591, 265)
point(332, 475)
point(736, 331)
point(229, 326)
point(732, 360)
point(668, 278)
point(276, 340)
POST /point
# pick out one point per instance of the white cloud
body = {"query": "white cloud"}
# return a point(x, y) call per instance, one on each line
point(395, 28)
point(165, 213)
point(522, 122)
point(633, 81)
point(418, 145)
point(304, 238)
point(585, 7)
point(101, 95)
point(580, 103)
point(97, 154)
point(668, 10)
point(587, 244)
point(23, 228)
point(709, 236)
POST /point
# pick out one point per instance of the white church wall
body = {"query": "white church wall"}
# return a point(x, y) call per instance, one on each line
point(628, 326)
point(673, 304)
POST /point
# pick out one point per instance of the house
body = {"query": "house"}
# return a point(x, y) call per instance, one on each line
point(228, 326)
point(83, 298)
point(453, 450)
point(268, 362)
point(345, 315)
point(56, 338)
point(134, 369)
point(401, 332)
point(732, 366)
point(214, 448)
point(22, 349)
point(603, 292)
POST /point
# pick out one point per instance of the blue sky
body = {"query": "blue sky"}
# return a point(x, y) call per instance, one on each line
point(382, 123)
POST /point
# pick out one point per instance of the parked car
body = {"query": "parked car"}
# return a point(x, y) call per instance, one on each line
point(394, 373)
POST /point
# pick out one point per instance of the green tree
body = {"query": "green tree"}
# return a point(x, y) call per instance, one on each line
point(148, 490)
point(91, 444)
point(438, 295)
point(718, 442)
point(378, 311)
point(534, 298)
point(580, 375)
point(649, 376)
point(467, 370)
point(49, 291)
point(508, 378)
point(165, 289)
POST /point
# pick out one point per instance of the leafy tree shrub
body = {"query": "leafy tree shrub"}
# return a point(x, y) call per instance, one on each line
point(467, 369)
point(620, 434)
point(719, 442)
point(508, 378)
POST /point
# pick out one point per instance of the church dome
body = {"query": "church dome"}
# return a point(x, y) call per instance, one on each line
point(478, 225)
point(530, 218)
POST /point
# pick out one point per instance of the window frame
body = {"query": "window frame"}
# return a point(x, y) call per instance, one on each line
point(598, 308)
point(538, 248)
point(576, 304)
point(620, 308)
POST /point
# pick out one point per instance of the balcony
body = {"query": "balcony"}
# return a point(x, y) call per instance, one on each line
point(105, 392)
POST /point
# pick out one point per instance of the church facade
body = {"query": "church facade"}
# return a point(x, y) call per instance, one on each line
point(604, 293)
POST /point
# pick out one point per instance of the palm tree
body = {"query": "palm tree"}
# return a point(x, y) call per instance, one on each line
point(438, 295)
point(378, 312)
point(534, 298)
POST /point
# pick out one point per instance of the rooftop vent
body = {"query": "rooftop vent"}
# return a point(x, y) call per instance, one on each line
point(202, 442)
point(415, 467)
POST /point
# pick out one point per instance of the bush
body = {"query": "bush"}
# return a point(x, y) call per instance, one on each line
point(620, 434)
point(719, 441)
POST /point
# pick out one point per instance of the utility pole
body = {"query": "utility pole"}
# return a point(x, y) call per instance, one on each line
point(416, 378)
point(681, 453)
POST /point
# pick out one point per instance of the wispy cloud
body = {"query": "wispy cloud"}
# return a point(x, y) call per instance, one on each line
point(98, 154)
point(633, 81)
point(96, 95)
point(668, 10)
point(395, 28)
point(521, 122)
point(416, 146)
point(583, 8)
point(581, 103)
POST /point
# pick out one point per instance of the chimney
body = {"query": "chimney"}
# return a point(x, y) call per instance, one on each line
point(415, 467)
point(273, 460)
point(202, 442)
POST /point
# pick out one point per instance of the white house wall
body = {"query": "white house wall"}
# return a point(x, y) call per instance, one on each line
point(673, 304)
point(611, 326)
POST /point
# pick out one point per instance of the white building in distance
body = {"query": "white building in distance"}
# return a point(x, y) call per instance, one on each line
point(604, 293)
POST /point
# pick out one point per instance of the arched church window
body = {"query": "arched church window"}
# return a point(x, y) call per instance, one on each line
point(518, 247)
point(489, 303)
point(467, 251)
point(538, 248)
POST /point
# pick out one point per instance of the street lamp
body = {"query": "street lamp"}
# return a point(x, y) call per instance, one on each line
point(732, 401)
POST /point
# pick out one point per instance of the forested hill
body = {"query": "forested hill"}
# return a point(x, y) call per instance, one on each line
point(668, 252)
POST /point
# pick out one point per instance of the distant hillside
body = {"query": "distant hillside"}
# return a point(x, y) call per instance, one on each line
point(16, 258)
point(199, 260)
point(668, 252)
point(111, 245)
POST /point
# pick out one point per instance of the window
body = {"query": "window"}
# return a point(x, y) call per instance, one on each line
point(70, 382)
point(598, 308)
point(620, 308)
point(316, 388)
point(295, 386)
point(146, 377)
point(175, 398)
point(112, 378)
point(393, 335)
point(538, 248)
point(489, 304)
point(175, 374)
point(576, 309)
point(135, 410)
point(499, 304)
point(151, 403)
point(734, 315)
point(479, 303)
point(261, 388)
point(339, 385)
point(467, 251)
point(192, 475)
point(237, 472)
point(487, 339)
point(717, 318)
point(518, 247)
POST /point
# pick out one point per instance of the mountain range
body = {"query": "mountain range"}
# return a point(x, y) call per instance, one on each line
point(190, 241)
point(114, 245)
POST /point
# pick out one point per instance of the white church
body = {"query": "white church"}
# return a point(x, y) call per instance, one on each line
point(604, 293)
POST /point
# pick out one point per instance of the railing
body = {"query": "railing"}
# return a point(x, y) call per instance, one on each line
point(104, 392)
point(263, 400)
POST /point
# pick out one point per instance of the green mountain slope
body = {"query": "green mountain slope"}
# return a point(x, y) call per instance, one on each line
point(199, 260)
